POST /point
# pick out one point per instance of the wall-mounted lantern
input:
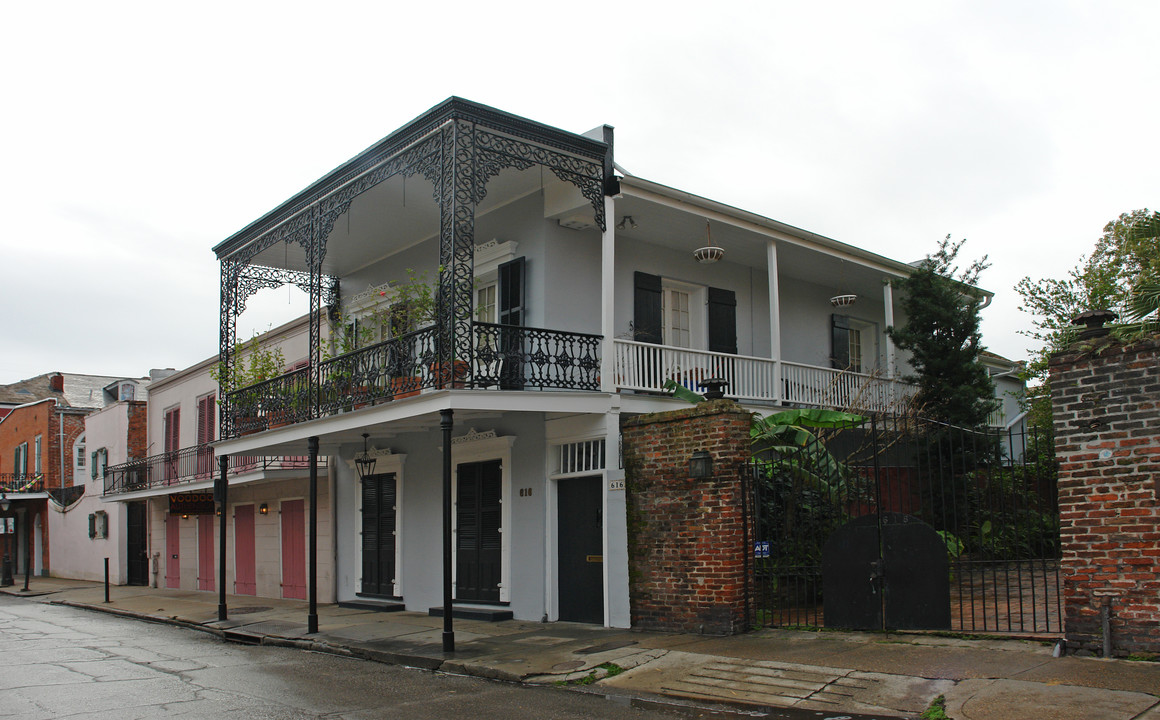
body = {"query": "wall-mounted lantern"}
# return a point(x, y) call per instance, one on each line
point(701, 465)
point(263, 509)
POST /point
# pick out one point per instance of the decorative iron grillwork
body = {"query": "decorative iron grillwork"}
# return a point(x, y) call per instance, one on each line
point(21, 483)
point(182, 467)
point(519, 357)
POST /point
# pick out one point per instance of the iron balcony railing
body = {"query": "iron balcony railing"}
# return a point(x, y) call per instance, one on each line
point(187, 465)
point(21, 483)
point(504, 357)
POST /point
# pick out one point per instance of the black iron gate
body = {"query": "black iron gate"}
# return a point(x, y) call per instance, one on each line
point(903, 523)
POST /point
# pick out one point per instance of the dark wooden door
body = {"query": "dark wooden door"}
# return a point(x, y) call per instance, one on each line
point(478, 562)
point(378, 534)
point(136, 552)
point(580, 550)
point(294, 549)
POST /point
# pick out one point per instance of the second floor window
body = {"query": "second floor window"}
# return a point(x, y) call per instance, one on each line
point(36, 455)
point(21, 459)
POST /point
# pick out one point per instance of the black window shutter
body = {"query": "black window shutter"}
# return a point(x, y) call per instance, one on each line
point(840, 341)
point(646, 308)
point(512, 275)
point(722, 321)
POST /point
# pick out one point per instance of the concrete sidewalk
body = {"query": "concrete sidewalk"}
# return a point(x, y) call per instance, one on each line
point(873, 673)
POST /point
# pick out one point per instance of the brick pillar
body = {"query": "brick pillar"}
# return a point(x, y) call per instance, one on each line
point(1106, 407)
point(686, 537)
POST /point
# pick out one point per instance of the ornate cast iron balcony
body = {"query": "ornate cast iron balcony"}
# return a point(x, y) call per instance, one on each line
point(184, 466)
point(505, 357)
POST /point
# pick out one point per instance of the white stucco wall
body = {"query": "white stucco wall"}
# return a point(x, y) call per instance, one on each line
point(73, 553)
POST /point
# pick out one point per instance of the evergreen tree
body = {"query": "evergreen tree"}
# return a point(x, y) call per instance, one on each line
point(942, 334)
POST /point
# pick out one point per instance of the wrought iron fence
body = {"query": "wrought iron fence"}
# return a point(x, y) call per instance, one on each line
point(21, 482)
point(196, 463)
point(983, 502)
point(271, 403)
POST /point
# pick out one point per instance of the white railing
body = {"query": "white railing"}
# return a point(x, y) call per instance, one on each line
point(646, 367)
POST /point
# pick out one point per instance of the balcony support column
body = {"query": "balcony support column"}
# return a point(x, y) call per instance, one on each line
point(774, 319)
point(312, 559)
point(607, 297)
point(446, 422)
point(220, 494)
point(456, 243)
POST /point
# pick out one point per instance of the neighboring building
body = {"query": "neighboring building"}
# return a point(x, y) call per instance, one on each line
point(162, 487)
point(43, 455)
point(565, 295)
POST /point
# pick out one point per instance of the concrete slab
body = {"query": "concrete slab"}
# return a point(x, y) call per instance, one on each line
point(1006, 699)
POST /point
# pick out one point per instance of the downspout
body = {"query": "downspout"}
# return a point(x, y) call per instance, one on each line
point(60, 442)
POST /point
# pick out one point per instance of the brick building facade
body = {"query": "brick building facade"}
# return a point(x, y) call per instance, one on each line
point(1106, 405)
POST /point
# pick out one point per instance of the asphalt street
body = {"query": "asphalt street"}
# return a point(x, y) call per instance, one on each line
point(62, 662)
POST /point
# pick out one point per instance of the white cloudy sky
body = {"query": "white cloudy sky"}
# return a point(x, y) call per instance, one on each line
point(135, 136)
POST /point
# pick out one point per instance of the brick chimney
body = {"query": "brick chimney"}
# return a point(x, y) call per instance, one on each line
point(56, 382)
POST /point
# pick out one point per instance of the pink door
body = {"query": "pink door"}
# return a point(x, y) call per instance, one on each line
point(293, 549)
point(173, 551)
point(244, 582)
point(205, 558)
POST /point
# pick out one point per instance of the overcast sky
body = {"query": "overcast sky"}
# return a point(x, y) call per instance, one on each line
point(135, 136)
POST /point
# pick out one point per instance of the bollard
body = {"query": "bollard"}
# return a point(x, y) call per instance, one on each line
point(106, 579)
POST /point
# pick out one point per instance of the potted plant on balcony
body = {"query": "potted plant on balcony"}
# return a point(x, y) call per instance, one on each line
point(411, 306)
point(253, 364)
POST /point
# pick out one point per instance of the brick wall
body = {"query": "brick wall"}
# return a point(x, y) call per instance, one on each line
point(137, 442)
point(686, 537)
point(1106, 407)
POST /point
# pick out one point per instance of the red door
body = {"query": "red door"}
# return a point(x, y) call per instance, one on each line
point(173, 551)
point(293, 549)
point(244, 582)
point(205, 546)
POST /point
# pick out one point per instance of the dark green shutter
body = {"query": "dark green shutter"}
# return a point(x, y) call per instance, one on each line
point(646, 308)
point(840, 341)
point(722, 321)
point(512, 279)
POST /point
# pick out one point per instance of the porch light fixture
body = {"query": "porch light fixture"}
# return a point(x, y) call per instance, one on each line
point(843, 300)
point(710, 253)
point(701, 465)
point(263, 509)
point(184, 517)
point(626, 223)
point(5, 503)
point(365, 464)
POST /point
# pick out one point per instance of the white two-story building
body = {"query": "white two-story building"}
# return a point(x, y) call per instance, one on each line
point(489, 297)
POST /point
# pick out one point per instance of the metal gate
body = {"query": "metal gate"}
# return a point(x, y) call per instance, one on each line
point(903, 523)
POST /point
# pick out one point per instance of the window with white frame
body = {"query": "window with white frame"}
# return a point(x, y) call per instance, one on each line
point(36, 455)
point(79, 454)
point(485, 303)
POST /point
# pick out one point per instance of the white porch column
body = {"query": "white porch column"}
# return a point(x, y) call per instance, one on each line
point(888, 303)
point(607, 297)
point(617, 609)
point(774, 318)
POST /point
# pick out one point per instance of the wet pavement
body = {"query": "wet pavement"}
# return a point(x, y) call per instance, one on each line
point(793, 674)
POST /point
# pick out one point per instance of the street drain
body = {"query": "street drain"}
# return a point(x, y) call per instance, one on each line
point(570, 665)
point(247, 610)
